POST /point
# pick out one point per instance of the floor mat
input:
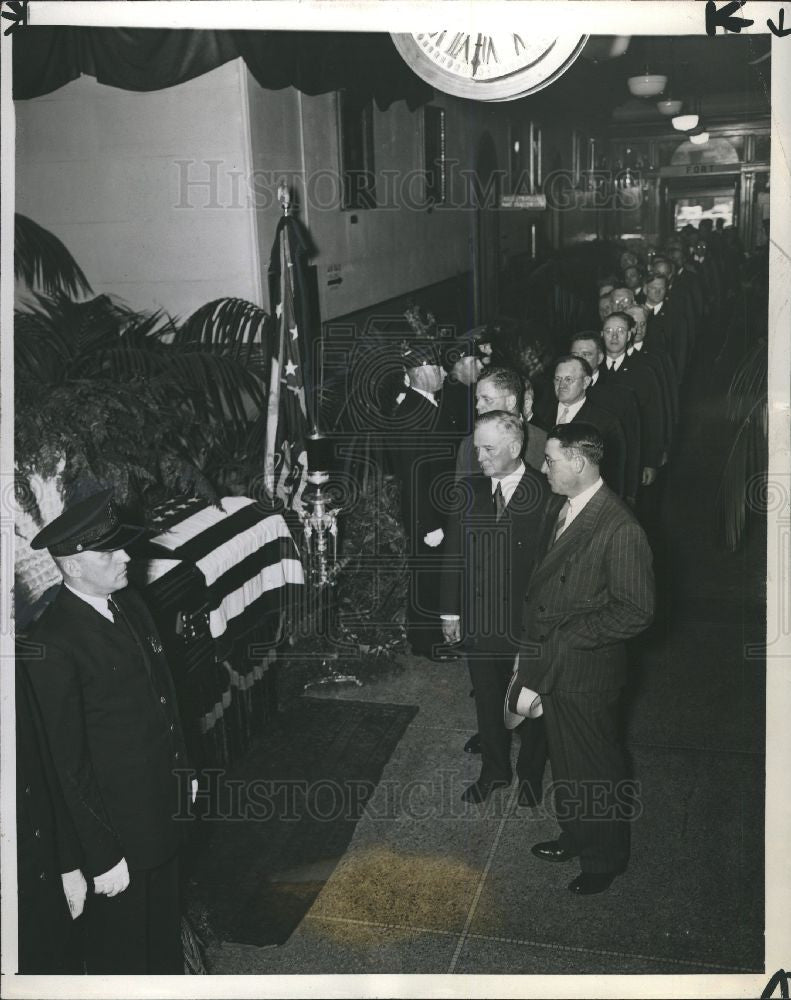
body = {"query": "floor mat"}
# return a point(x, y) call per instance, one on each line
point(279, 820)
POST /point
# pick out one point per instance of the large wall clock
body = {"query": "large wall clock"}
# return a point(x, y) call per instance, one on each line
point(497, 67)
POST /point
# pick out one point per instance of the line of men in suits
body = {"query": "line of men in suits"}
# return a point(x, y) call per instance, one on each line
point(604, 426)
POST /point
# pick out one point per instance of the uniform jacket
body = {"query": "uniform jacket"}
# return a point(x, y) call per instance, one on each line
point(423, 454)
point(47, 846)
point(109, 710)
point(592, 590)
point(488, 563)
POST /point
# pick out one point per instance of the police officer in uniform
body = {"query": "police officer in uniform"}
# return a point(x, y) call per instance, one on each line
point(108, 707)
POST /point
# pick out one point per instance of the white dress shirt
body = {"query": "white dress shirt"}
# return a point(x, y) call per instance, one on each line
point(97, 603)
point(615, 365)
point(636, 347)
point(578, 503)
point(509, 483)
point(573, 410)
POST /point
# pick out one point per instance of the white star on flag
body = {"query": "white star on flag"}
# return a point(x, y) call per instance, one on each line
point(279, 310)
point(291, 368)
point(294, 332)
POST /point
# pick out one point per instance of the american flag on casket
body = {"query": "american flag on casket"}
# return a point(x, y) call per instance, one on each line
point(245, 554)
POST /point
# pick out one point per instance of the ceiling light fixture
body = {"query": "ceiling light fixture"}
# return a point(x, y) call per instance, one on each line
point(684, 123)
point(648, 85)
point(668, 107)
point(699, 139)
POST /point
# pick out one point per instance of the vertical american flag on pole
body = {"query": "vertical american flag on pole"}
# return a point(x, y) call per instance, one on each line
point(285, 457)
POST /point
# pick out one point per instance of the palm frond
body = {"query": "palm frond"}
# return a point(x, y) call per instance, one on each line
point(43, 262)
point(235, 325)
point(749, 383)
point(747, 462)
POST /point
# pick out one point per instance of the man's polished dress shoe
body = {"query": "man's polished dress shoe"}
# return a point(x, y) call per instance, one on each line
point(589, 883)
point(550, 850)
point(473, 744)
point(479, 791)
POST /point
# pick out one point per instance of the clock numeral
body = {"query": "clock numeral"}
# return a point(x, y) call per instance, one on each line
point(518, 40)
point(437, 37)
point(460, 41)
point(489, 51)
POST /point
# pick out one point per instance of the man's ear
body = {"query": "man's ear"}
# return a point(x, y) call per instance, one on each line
point(70, 567)
point(511, 401)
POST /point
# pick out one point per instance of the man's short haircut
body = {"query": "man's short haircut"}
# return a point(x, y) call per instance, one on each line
point(565, 358)
point(509, 424)
point(505, 380)
point(635, 308)
point(593, 335)
point(629, 320)
point(656, 277)
point(579, 437)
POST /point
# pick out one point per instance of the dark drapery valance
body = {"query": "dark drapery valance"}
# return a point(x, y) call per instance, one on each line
point(315, 62)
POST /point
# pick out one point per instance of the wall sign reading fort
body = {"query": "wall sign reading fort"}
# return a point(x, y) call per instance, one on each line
point(488, 67)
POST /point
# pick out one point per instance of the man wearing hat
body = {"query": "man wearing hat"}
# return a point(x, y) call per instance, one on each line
point(463, 366)
point(591, 591)
point(109, 712)
point(423, 458)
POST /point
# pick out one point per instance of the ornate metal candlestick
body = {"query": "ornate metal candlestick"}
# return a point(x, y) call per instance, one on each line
point(320, 524)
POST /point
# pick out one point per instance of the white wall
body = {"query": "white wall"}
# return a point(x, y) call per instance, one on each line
point(397, 246)
point(99, 167)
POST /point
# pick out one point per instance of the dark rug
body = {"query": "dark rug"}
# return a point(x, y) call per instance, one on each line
point(278, 822)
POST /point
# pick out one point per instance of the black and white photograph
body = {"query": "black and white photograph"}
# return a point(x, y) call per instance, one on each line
point(396, 499)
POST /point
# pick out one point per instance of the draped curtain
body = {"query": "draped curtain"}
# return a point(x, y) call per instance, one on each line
point(315, 62)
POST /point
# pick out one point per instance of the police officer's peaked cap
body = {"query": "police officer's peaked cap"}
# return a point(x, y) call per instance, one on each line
point(92, 523)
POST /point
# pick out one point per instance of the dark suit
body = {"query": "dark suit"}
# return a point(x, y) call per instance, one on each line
point(637, 376)
point(620, 400)
point(109, 711)
point(614, 462)
point(423, 456)
point(593, 590)
point(47, 846)
point(488, 565)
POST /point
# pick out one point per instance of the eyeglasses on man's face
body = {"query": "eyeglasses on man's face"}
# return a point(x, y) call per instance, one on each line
point(566, 379)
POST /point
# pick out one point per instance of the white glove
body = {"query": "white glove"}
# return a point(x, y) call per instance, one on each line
point(433, 538)
point(194, 789)
point(114, 881)
point(75, 889)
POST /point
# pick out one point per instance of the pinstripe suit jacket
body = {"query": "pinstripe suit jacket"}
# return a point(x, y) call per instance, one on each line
point(593, 589)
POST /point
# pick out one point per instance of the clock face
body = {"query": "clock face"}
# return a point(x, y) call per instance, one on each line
point(497, 67)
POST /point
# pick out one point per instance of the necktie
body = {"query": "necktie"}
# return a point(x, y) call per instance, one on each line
point(564, 415)
point(610, 364)
point(561, 522)
point(499, 501)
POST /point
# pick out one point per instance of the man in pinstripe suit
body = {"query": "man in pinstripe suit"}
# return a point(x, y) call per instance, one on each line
point(593, 590)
